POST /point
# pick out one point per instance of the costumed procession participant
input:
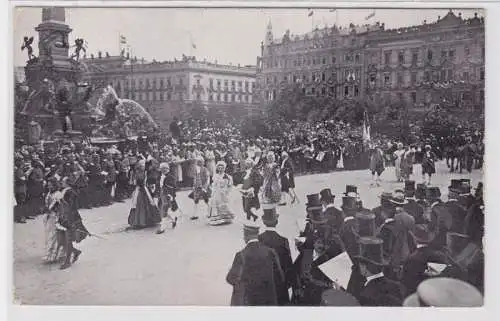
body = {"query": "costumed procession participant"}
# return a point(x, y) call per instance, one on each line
point(255, 273)
point(280, 245)
point(144, 212)
point(219, 212)
point(407, 161)
point(166, 193)
point(252, 182)
point(210, 159)
point(53, 238)
point(70, 222)
point(445, 293)
point(398, 156)
point(428, 164)
point(378, 289)
point(271, 189)
point(201, 184)
point(287, 179)
point(377, 164)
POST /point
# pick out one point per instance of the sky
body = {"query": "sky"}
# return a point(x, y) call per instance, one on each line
point(222, 35)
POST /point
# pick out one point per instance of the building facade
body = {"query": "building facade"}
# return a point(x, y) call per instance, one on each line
point(164, 89)
point(436, 63)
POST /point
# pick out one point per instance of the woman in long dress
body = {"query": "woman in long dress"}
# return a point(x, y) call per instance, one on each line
point(144, 212)
point(287, 179)
point(271, 191)
point(398, 156)
point(53, 249)
point(219, 212)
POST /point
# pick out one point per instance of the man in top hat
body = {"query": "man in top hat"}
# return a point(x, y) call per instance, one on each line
point(334, 215)
point(279, 244)
point(416, 268)
point(378, 290)
point(401, 216)
point(255, 273)
point(474, 221)
point(413, 207)
point(444, 292)
point(457, 191)
point(383, 211)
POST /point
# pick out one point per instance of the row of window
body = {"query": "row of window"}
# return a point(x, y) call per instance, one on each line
point(437, 76)
point(345, 91)
point(348, 74)
point(233, 84)
point(229, 98)
point(152, 84)
point(307, 61)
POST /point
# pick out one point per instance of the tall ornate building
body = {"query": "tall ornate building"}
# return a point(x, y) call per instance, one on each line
point(166, 88)
point(433, 63)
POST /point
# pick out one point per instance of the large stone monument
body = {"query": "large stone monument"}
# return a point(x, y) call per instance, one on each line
point(57, 99)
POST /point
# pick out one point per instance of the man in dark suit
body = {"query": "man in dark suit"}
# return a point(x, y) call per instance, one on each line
point(416, 270)
point(455, 205)
point(332, 214)
point(412, 207)
point(255, 272)
point(280, 245)
point(378, 290)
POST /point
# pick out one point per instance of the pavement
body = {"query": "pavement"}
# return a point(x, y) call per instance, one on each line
point(184, 266)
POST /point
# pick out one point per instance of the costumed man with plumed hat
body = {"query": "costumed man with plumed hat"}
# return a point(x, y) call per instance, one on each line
point(201, 182)
point(166, 194)
point(255, 273)
point(280, 245)
point(252, 182)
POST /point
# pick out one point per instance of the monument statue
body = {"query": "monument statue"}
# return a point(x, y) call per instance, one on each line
point(27, 45)
point(79, 46)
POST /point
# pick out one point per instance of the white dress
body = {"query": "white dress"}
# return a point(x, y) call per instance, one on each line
point(219, 212)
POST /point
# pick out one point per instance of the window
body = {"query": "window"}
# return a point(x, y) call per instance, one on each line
point(414, 97)
point(357, 58)
point(467, 50)
point(387, 57)
point(399, 79)
point(218, 83)
point(387, 79)
point(427, 76)
point(245, 98)
point(466, 76)
point(181, 82)
point(481, 74)
point(323, 77)
point(275, 79)
point(285, 78)
point(239, 97)
point(210, 97)
point(233, 83)
point(482, 52)
point(356, 91)
point(373, 77)
point(304, 78)
point(158, 96)
point(225, 97)
point(324, 61)
point(218, 97)
point(313, 90)
point(314, 61)
point(198, 96)
point(348, 57)
point(414, 58)
point(240, 83)
point(452, 53)
point(429, 55)
point(226, 83)
point(294, 79)
point(253, 86)
point(400, 96)
point(323, 91)
point(181, 96)
point(147, 83)
point(169, 96)
point(162, 84)
point(346, 91)
point(169, 82)
point(449, 75)
point(334, 76)
point(334, 59)
point(144, 98)
point(443, 75)
point(140, 84)
point(401, 57)
point(443, 53)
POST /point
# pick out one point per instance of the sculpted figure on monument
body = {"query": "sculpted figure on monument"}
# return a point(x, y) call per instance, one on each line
point(27, 45)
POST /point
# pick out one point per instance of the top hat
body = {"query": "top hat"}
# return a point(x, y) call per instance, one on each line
point(460, 186)
point(349, 202)
point(313, 201)
point(317, 215)
point(420, 191)
point(432, 193)
point(456, 242)
point(370, 249)
point(326, 196)
point(422, 234)
point(270, 215)
point(351, 189)
point(409, 188)
point(366, 224)
point(398, 197)
point(385, 196)
point(444, 292)
point(338, 298)
point(251, 228)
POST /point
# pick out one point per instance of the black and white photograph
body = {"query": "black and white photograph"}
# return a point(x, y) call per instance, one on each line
point(221, 157)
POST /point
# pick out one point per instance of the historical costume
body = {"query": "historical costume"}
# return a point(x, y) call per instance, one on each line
point(219, 212)
point(166, 193)
point(144, 212)
point(428, 164)
point(70, 222)
point(255, 273)
point(201, 184)
point(252, 182)
point(398, 156)
point(53, 245)
point(271, 189)
point(287, 179)
point(210, 160)
point(377, 164)
point(407, 161)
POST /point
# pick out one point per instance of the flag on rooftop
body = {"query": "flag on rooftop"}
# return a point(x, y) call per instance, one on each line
point(371, 15)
